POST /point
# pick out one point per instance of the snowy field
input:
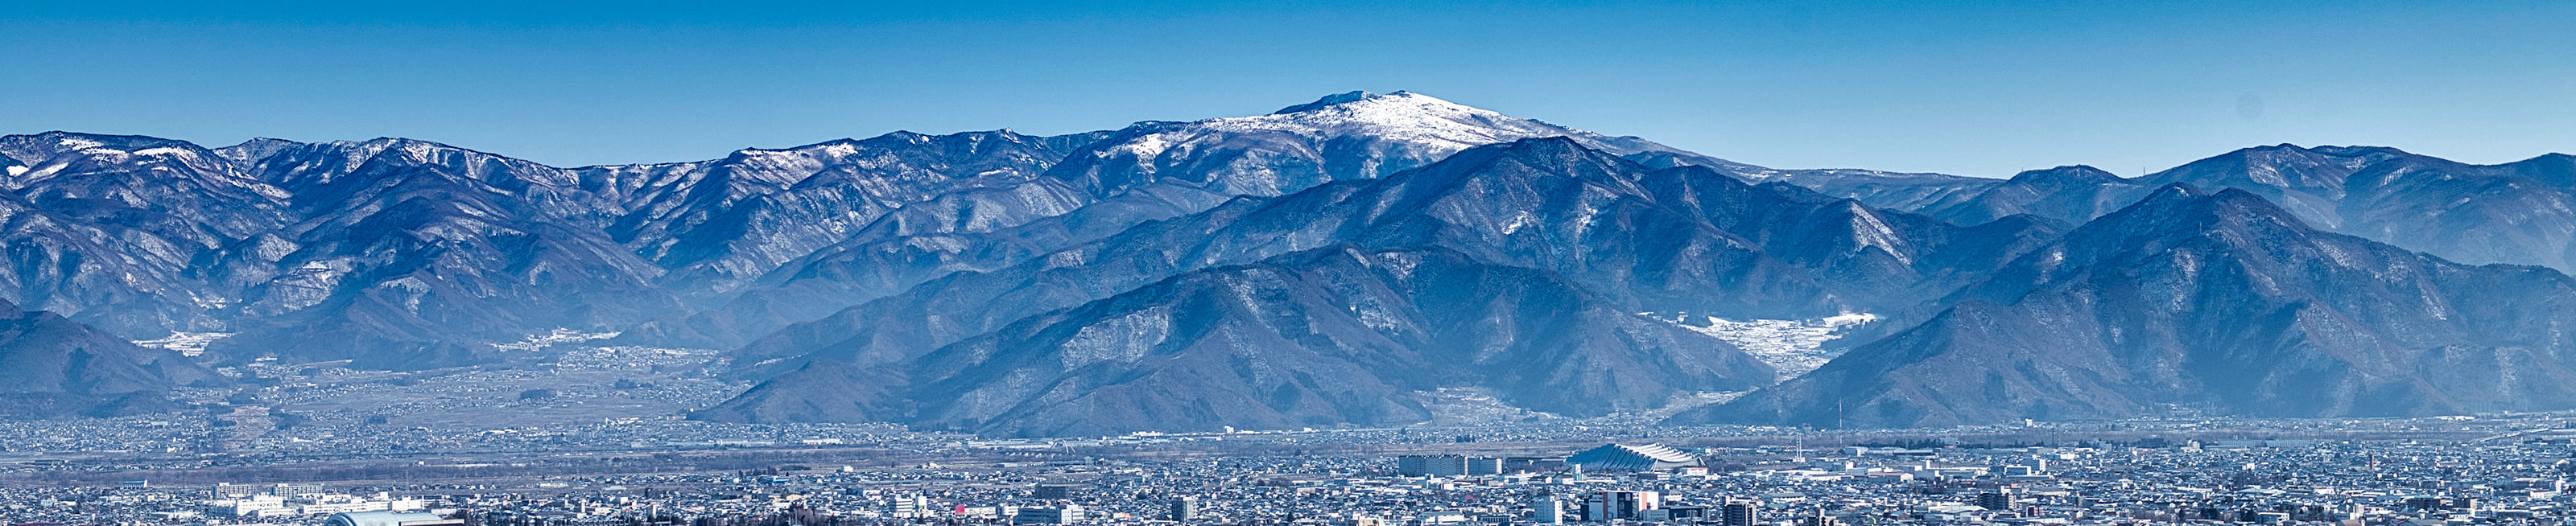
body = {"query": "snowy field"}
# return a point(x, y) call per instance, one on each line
point(1792, 346)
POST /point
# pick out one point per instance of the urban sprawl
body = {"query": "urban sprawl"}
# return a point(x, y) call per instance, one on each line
point(2448, 471)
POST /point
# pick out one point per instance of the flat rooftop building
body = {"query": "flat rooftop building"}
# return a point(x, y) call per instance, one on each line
point(1432, 465)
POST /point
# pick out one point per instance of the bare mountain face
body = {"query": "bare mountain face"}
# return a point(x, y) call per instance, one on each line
point(413, 251)
point(1892, 190)
point(110, 229)
point(720, 224)
point(2191, 302)
point(1633, 239)
point(1332, 336)
point(53, 367)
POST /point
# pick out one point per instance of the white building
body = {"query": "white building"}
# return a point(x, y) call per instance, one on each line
point(1431, 465)
point(1550, 511)
point(251, 507)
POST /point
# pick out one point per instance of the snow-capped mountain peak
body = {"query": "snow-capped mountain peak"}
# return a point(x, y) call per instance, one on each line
point(1401, 116)
point(1421, 125)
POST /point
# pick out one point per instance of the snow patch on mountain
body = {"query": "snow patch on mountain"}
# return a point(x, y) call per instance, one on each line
point(1122, 339)
point(185, 343)
point(1791, 346)
point(81, 144)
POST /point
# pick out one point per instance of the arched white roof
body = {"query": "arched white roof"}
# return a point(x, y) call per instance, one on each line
point(386, 518)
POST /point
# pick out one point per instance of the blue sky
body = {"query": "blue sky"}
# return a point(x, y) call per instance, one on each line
point(1973, 88)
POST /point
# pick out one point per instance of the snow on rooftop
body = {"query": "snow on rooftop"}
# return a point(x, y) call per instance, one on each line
point(1660, 452)
point(1631, 457)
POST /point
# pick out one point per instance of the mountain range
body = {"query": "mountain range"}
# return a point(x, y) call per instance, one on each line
point(1329, 264)
point(2191, 302)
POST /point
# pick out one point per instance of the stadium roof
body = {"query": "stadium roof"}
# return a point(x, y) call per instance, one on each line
point(1626, 457)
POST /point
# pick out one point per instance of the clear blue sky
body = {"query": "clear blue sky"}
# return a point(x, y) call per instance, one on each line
point(1976, 88)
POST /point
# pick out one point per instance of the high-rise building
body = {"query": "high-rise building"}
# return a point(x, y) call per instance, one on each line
point(1998, 500)
point(1185, 509)
point(1549, 511)
point(908, 506)
point(1431, 465)
point(1740, 512)
point(1484, 466)
point(1066, 514)
point(1687, 512)
point(1613, 505)
point(1053, 492)
point(1820, 519)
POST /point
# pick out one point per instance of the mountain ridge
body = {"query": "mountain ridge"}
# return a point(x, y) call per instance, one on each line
point(1638, 239)
point(932, 279)
point(2204, 302)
